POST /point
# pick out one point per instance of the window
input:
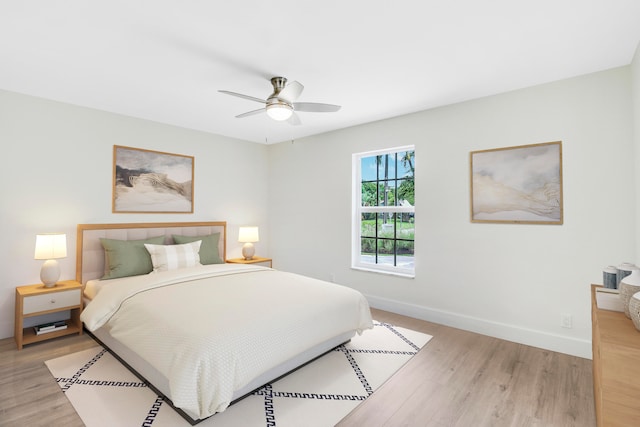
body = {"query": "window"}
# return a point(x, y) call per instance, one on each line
point(384, 214)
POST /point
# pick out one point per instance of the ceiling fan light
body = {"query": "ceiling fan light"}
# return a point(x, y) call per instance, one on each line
point(279, 112)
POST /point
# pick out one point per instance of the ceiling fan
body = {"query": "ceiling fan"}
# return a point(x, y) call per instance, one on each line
point(280, 104)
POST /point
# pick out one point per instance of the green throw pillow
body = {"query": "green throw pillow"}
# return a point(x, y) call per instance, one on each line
point(209, 253)
point(128, 257)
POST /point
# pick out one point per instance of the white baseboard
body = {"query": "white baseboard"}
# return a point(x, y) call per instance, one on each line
point(548, 341)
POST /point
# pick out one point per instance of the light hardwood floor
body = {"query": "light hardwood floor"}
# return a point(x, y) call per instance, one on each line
point(464, 379)
point(458, 379)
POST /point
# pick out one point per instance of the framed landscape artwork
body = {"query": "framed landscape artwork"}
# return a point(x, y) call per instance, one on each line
point(146, 181)
point(520, 184)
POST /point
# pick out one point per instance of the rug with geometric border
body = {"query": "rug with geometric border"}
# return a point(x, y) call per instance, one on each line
point(105, 393)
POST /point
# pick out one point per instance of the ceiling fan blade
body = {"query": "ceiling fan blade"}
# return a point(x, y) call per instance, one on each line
point(294, 120)
point(239, 95)
point(315, 107)
point(291, 92)
point(251, 113)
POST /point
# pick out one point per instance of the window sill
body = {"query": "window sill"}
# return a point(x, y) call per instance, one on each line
point(387, 272)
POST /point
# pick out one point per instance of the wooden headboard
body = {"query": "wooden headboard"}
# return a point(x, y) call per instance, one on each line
point(90, 259)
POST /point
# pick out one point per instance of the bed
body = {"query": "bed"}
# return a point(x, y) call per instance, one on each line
point(201, 332)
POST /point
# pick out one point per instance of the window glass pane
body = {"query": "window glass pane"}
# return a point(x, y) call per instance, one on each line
point(386, 225)
point(405, 192)
point(387, 193)
point(392, 198)
point(405, 247)
point(368, 225)
point(404, 256)
point(368, 250)
point(380, 160)
point(405, 223)
point(369, 192)
point(386, 251)
point(386, 166)
point(406, 164)
point(368, 167)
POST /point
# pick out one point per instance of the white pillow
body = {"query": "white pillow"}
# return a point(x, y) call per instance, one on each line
point(172, 257)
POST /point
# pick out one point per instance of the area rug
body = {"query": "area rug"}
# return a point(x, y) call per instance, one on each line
point(321, 393)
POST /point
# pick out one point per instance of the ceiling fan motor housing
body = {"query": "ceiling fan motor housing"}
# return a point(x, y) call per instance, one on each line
point(278, 84)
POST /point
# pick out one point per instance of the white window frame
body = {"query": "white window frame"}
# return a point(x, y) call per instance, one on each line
point(358, 210)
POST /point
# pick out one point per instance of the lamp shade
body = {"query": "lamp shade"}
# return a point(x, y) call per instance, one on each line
point(248, 235)
point(51, 246)
point(279, 112)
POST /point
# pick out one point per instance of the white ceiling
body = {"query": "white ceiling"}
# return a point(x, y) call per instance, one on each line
point(165, 60)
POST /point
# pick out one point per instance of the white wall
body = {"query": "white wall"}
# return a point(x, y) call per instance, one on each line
point(510, 281)
point(57, 172)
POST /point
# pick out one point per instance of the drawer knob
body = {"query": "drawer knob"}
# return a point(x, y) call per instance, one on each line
point(53, 301)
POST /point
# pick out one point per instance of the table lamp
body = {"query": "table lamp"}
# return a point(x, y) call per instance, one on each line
point(248, 236)
point(50, 247)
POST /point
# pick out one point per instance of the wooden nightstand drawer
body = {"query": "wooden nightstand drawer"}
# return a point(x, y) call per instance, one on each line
point(51, 301)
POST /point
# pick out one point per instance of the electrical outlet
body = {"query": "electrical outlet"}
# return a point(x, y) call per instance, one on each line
point(566, 320)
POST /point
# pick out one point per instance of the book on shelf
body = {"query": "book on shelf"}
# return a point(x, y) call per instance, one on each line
point(50, 327)
point(46, 331)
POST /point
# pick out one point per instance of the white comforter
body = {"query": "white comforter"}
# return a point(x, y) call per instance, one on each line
point(212, 329)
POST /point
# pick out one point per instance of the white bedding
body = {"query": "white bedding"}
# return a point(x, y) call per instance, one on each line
point(92, 287)
point(250, 320)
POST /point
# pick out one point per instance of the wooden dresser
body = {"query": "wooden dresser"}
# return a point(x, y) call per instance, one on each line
point(616, 367)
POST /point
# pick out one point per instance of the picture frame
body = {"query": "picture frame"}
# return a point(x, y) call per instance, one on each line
point(517, 185)
point(147, 181)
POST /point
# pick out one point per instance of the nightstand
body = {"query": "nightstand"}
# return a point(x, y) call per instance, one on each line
point(254, 260)
point(36, 300)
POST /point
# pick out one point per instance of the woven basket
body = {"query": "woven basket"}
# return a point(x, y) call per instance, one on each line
point(634, 310)
point(626, 291)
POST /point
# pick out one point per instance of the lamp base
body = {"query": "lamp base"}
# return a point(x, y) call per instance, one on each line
point(50, 273)
point(248, 251)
